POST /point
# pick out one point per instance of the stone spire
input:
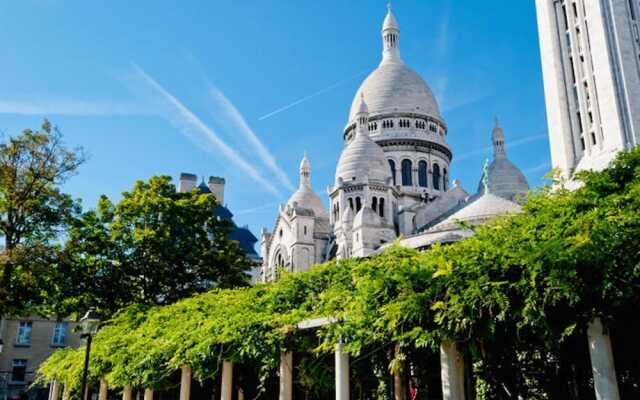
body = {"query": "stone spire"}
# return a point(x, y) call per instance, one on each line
point(390, 38)
point(305, 171)
point(362, 117)
point(497, 137)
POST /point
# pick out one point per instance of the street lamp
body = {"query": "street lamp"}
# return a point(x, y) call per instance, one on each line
point(89, 325)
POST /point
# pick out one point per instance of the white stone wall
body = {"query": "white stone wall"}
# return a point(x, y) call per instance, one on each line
point(597, 42)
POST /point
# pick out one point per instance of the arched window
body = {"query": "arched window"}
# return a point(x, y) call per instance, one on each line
point(392, 165)
point(436, 176)
point(351, 203)
point(279, 260)
point(358, 204)
point(305, 230)
point(374, 204)
point(406, 173)
point(381, 207)
point(444, 179)
point(422, 173)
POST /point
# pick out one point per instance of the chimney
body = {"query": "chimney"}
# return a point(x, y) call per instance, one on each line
point(216, 185)
point(187, 182)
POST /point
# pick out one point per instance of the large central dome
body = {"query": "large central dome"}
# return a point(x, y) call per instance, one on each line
point(395, 88)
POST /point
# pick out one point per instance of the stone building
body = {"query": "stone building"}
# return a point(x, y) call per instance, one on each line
point(301, 231)
point(27, 342)
point(590, 52)
point(392, 178)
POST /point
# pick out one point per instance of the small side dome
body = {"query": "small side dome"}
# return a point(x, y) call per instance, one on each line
point(503, 178)
point(304, 197)
point(362, 157)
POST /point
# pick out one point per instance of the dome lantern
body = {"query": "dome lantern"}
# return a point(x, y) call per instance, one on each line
point(390, 38)
point(497, 137)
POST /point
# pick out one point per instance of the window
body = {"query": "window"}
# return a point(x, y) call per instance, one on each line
point(305, 230)
point(433, 128)
point(566, 21)
point(59, 334)
point(18, 370)
point(374, 204)
point(24, 333)
point(436, 176)
point(279, 260)
point(422, 173)
point(593, 138)
point(381, 207)
point(351, 203)
point(358, 204)
point(406, 173)
point(444, 179)
point(392, 166)
point(579, 116)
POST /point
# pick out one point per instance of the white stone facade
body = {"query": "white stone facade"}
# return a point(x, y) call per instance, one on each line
point(590, 51)
point(301, 232)
point(391, 180)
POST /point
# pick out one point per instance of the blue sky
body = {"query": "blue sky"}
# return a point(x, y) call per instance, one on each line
point(241, 89)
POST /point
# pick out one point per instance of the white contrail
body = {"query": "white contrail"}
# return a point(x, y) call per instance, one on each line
point(305, 98)
point(256, 209)
point(232, 113)
point(545, 166)
point(80, 108)
point(510, 145)
point(188, 123)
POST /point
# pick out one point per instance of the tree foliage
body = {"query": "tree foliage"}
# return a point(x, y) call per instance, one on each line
point(33, 212)
point(517, 296)
point(154, 246)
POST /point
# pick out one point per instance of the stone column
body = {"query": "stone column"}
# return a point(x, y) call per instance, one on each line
point(185, 383)
point(55, 390)
point(66, 393)
point(286, 376)
point(399, 390)
point(126, 393)
point(148, 394)
point(601, 354)
point(452, 371)
point(226, 390)
point(342, 373)
point(102, 393)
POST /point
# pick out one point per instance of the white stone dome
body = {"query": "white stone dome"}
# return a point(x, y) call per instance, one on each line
point(395, 88)
point(363, 157)
point(505, 180)
point(304, 197)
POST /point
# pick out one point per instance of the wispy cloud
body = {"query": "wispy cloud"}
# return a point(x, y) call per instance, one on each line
point(231, 112)
point(542, 167)
point(49, 106)
point(311, 96)
point(510, 145)
point(192, 127)
point(256, 209)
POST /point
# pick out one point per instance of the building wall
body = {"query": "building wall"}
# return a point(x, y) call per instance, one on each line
point(590, 53)
point(41, 346)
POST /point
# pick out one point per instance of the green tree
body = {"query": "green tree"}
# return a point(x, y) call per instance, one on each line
point(154, 246)
point(33, 213)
